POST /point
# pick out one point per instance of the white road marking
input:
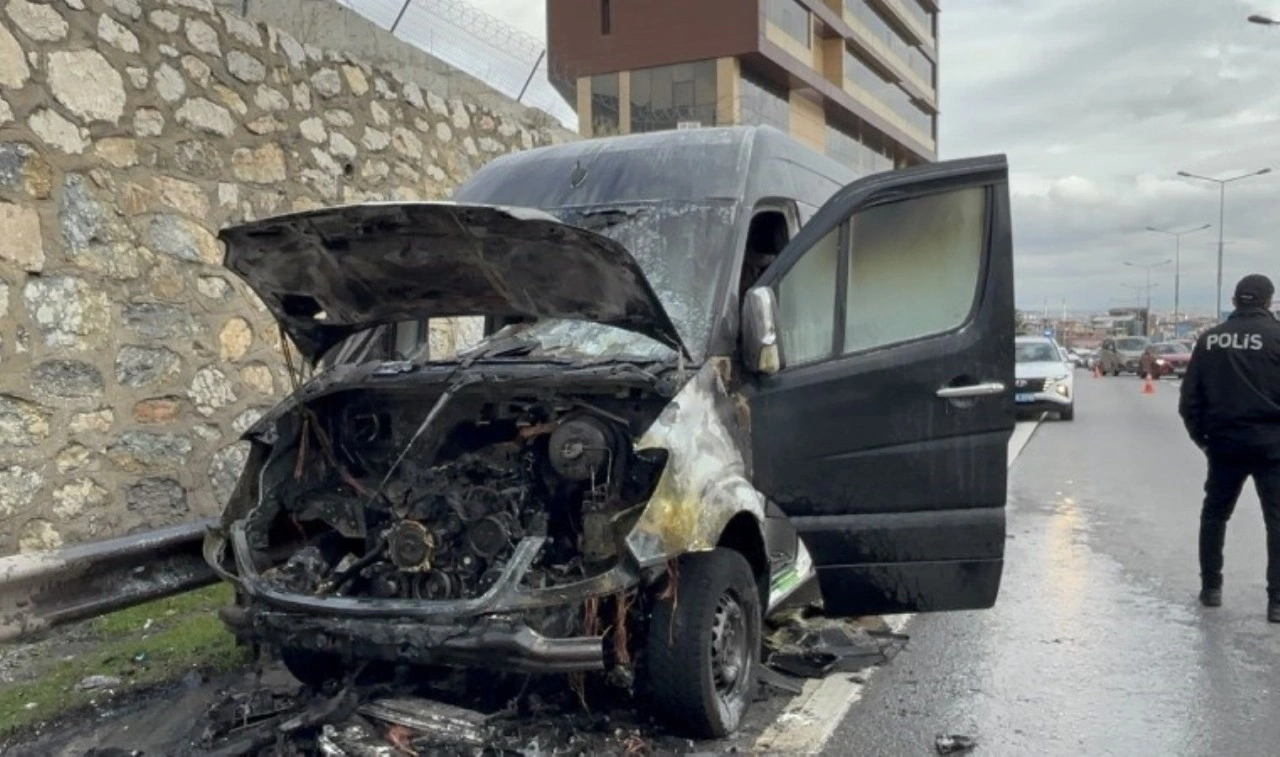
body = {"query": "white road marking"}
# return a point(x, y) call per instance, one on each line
point(808, 721)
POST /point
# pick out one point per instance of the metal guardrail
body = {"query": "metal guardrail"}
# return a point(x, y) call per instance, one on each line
point(41, 590)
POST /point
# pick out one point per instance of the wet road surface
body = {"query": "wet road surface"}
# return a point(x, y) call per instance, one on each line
point(1097, 645)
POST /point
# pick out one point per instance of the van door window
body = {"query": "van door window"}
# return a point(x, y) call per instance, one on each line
point(806, 303)
point(913, 268)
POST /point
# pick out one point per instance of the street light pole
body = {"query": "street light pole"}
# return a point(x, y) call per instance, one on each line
point(1147, 317)
point(1177, 266)
point(1222, 205)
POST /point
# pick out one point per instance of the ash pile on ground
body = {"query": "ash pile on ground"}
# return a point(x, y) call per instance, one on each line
point(415, 711)
point(392, 714)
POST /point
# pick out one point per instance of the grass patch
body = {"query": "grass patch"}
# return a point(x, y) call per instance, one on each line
point(185, 633)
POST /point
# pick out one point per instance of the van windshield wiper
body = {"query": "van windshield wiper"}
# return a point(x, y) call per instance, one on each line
point(511, 346)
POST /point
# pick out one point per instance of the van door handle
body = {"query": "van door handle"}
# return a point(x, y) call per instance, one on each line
point(972, 390)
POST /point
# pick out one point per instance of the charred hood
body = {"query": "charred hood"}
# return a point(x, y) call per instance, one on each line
point(327, 274)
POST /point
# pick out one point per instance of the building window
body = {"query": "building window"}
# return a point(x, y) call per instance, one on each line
point(604, 105)
point(606, 17)
point(765, 104)
point(879, 151)
point(792, 18)
point(922, 17)
point(858, 71)
point(666, 96)
point(844, 147)
point(885, 33)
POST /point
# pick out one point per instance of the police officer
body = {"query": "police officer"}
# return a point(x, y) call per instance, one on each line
point(1231, 406)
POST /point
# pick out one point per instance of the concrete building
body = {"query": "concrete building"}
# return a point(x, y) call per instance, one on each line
point(856, 79)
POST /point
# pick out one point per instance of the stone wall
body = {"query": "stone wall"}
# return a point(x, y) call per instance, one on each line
point(130, 131)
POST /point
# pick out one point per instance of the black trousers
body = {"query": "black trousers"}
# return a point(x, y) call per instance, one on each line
point(1227, 474)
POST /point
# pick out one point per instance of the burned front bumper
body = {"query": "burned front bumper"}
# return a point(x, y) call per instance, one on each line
point(498, 643)
point(503, 629)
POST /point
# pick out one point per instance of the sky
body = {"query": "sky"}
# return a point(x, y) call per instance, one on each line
point(1098, 104)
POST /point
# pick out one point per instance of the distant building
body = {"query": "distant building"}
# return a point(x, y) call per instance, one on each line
point(856, 79)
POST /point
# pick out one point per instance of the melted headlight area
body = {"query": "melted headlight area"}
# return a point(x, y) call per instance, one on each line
point(390, 509)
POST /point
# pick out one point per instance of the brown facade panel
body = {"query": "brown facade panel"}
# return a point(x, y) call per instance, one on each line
point(612, 39)
point(644, 33)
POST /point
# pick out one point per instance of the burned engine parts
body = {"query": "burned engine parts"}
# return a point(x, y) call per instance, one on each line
point(580, 449)
point(447, 517)
point(411, 546)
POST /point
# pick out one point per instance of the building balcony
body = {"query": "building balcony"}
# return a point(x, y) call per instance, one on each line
point(882, 51)
point(915, 23)
point(883, 110)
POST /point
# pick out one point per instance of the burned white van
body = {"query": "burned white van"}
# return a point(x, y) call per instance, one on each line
point(715, 368)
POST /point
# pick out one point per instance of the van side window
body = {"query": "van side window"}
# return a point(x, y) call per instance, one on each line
point(766, 237)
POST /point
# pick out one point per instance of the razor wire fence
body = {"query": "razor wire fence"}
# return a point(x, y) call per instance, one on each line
point(460, 35)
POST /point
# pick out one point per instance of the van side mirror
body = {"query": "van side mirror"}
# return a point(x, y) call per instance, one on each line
point(760, 331)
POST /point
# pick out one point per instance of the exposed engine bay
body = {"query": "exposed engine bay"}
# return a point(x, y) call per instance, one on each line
point(387, 511)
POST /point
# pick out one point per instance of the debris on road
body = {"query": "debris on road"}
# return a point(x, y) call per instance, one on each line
point(410, 711)
point(954, 744)
point(773, 680)
point(803, 643)
point(445, 724)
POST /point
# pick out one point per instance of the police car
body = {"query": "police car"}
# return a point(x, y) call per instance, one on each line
point(1044, 379)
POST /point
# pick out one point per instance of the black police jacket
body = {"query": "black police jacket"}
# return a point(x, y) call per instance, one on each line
point(1230, 399)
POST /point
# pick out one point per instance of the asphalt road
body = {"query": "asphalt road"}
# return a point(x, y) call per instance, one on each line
point(1097, 645)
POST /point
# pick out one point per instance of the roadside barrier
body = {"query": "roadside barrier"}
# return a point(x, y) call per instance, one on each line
point(40, 590)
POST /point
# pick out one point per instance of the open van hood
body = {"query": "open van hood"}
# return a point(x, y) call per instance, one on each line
point(326, 274)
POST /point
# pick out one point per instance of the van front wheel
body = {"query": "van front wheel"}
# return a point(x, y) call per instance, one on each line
point(704, 644)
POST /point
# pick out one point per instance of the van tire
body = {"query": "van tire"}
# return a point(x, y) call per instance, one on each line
point(703, 645)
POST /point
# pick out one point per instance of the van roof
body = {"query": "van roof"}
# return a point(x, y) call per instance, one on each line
point(648, 167)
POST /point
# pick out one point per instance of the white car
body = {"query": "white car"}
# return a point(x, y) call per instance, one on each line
point(1044, 380)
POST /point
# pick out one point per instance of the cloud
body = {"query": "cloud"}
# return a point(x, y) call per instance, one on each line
point(1098, 104)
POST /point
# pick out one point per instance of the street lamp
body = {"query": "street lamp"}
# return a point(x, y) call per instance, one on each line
point(1222, 205)
point(1177, 264)
point(1147, 268)
point(1258, 18)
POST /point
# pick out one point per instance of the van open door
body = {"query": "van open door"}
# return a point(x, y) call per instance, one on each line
point(882, 411)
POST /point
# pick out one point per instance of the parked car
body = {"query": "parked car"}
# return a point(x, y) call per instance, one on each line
point(1165, 359)
point(1080, 357)
point(1044, 381)
point(1122, 354)
point(681, 410)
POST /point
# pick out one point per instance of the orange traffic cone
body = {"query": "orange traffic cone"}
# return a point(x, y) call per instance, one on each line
point(1097, 371)
point(1148, 386)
